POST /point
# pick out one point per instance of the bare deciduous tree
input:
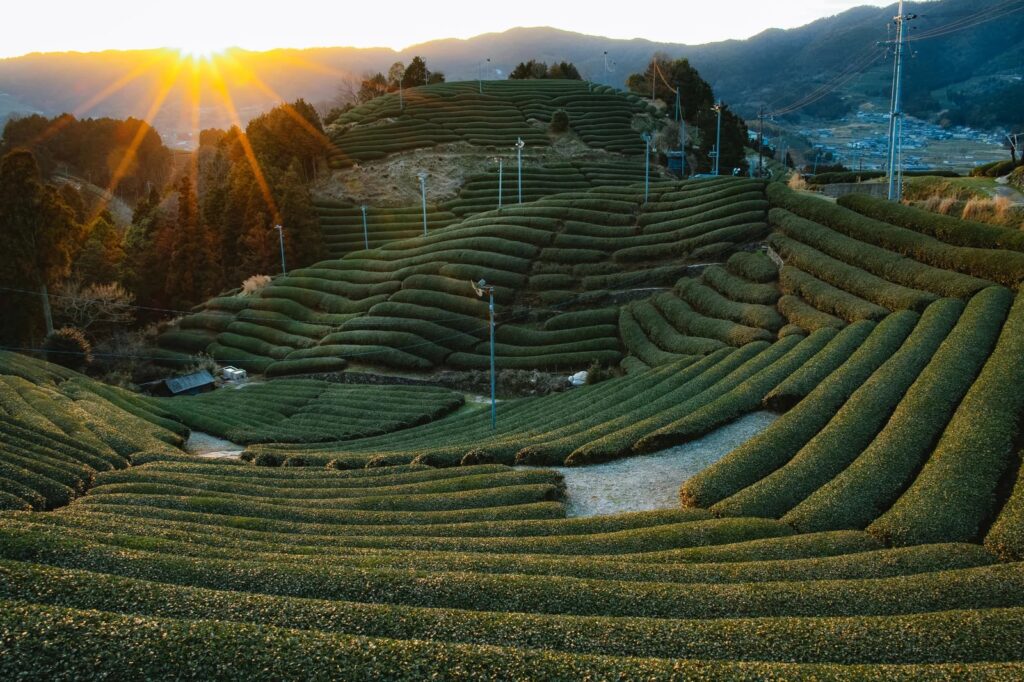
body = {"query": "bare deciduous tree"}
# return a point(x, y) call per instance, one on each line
point(95, 309)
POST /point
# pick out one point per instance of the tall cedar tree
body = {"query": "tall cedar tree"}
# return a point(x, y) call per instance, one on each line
point(190, 269)
point(146, 245)
point(416, 73)
point(100, 258)
point(287, 132)
point(39, 234)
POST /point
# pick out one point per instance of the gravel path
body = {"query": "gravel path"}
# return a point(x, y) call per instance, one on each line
point(652, 481)
point(204, 445)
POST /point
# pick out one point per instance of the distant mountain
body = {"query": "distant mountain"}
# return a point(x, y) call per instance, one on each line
point(971, 71)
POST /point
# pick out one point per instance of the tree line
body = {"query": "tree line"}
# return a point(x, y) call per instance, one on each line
point(662, 78)
point(203, 230)
point(94, 149)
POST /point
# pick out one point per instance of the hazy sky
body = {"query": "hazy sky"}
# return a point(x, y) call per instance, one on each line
point(201, 25)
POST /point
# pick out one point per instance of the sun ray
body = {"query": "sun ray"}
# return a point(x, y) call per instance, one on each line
point(289, 109)
point(62, 122)
point(193, 104)
point(221, 88)
point(169, 79)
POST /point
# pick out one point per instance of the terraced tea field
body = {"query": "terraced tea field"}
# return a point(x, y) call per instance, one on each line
point(606, 149)
point(873, 528)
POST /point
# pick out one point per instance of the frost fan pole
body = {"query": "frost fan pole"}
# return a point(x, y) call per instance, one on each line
point(366, 233)
point(423, 194)
point(280, 238)
point(718, 138)
point(501, 173)
point(481, 288)
point(519, 159)
point(647, 165)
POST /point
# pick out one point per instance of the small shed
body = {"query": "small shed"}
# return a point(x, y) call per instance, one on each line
point(189, 384)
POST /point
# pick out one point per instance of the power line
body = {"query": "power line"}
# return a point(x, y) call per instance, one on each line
point(870, 56)
point(973, 20)
point(119, 304)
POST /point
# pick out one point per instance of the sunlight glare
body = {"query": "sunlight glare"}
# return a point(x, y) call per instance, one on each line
point(200, 51)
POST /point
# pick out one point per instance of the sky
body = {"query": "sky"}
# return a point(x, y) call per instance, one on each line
point(203, 26)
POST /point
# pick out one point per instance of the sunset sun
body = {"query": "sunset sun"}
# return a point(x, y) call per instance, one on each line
point(200, 50)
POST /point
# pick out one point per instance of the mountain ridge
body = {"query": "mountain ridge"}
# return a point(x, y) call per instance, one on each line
point(744, 73)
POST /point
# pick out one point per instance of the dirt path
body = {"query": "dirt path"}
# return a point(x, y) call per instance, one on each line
point(1004, 190)
point(210, 447)
point(652, 481)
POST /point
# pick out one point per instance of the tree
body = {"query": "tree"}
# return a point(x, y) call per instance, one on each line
point(559, 122)
point(304, 240)
point(531, 70)
point(435, 78)
point(395, 75)
point(98, 309)
point(535, 70)
point(94, 148)
point(39, 234)
point(190, 264)
point(146, 244)
point(68, 347)
point(289, 132)
point(564, 71)
point(416, 74)
point(373, 86)
point(99, 260)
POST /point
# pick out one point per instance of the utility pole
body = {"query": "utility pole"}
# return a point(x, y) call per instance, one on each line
point(718, 139)
point(647, 164)
point(280, 238)
point(366, 233)
point(1014, 140)
point(422, 175)
point(481, 288)
point(896, 108)
point(480, 75)
point(760, 143)
point(606, 71)
point(501, 174)
point(401, 97)
point(519, 158)
point(47, 313)
point(682, 130)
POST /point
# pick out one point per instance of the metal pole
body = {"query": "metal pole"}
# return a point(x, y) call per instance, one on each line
point(401, 96)
point(501, 173)
point(280, 236)
point(480, 74)
point(494, 408)
point(647, 165)
point(682, 130)
point(718, 140)
point(423, 194)
point(896, 113)
point(366, 233)
point(519, 158)
point(47, 313)
point(760, 144)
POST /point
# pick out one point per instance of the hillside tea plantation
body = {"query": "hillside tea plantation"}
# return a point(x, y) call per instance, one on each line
point(872, 527)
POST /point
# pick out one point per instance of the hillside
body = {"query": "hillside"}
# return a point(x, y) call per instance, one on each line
point(379, 525)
